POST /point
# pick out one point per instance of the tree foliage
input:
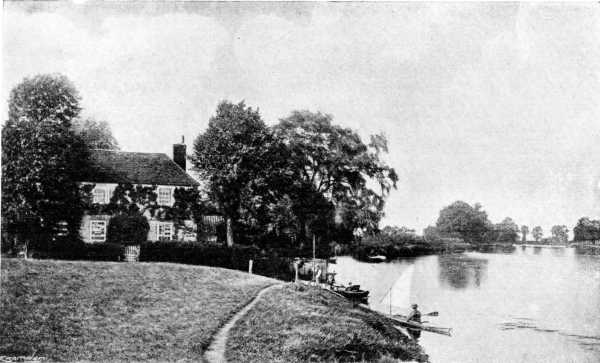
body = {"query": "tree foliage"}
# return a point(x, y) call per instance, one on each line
point(333, 162)
point(560, 233)
point(239, 157)
point(505, 231)
point(524, 232)
point(304, 174)
point(431, 234)
point(587, 230)
point(41, 156)
point(95, 134)
point(460, 219)
point(537, 233)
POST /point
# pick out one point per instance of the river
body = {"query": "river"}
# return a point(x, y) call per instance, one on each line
point(528, 304)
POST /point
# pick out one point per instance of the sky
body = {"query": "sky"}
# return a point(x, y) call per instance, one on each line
point(496, 103)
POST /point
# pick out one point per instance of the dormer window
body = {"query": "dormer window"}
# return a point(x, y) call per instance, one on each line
point(164, 196)
point(99, 195)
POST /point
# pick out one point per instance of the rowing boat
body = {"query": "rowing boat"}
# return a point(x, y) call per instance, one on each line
point(401, 320)
point(351, 292)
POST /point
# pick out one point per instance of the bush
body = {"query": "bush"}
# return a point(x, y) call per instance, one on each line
point(128, 229)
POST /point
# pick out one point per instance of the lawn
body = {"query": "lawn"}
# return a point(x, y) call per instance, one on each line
point(288, 325)
point(102, 311)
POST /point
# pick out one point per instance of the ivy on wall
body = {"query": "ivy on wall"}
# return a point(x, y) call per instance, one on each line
point(131, 199)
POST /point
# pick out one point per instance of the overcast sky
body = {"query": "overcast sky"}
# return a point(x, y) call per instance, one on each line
point(491, 103)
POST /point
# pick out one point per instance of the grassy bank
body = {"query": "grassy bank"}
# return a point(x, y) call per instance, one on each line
point(104, 311)
point(315, 325)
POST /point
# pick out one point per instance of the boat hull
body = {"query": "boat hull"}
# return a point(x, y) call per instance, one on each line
point(401, 320)
point(354, 294)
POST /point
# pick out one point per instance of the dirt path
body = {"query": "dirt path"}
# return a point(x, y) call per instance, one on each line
point(216, 350)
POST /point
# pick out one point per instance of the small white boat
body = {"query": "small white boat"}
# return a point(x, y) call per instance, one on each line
point(377, 258)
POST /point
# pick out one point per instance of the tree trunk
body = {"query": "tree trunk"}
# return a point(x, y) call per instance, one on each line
point(229, 233)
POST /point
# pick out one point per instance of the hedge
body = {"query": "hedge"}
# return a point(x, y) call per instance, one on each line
point(217, 255)
point(276, 263)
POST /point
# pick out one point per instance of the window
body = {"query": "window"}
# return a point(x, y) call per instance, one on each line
point(97, 231)
point(99, 195)
point(164, 231)
point(164, 196)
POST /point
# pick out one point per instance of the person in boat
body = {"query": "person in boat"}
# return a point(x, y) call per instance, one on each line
point(414, 316)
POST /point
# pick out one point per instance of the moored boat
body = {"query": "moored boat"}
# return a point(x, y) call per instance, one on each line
point(351, 292)
point(377, 258)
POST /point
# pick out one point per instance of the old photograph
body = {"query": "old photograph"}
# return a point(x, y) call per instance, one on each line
point(192, 181)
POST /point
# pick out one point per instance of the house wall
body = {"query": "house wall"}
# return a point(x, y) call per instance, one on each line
point(188, 232)
point(109, 189)
point(89, 223)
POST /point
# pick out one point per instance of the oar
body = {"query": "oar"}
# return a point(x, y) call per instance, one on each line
point(433, 313)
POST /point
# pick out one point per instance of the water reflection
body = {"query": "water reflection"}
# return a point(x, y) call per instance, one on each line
point(460, 271)
point(587, 250)
point(497, 248)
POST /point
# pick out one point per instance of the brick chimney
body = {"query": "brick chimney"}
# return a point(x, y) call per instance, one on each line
point(179, 155)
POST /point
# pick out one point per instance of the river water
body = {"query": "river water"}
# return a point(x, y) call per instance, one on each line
point(528, 304)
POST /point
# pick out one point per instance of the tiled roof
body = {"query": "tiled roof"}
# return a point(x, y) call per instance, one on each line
point(113, 166)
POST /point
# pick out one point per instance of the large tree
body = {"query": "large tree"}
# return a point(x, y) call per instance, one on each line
point(239, 157)
point(524, 232)
point(460, 219)
point(95, 134)
point(41, 157)
point(506, 231)
point(333, 163)
point(560, 233)
point(537, 233)
point(586, 230)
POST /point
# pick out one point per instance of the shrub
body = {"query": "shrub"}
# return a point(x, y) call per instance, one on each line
point(127, 229)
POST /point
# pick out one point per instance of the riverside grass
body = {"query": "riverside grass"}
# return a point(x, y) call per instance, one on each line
point(289, 325)
point(104, 311)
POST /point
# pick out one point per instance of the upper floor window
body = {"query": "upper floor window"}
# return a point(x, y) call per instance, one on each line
point(99, 195)
point(164, 196)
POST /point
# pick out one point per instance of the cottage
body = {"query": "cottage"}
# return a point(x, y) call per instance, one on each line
point(109, 168)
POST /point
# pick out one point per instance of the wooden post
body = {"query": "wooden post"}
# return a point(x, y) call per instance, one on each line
point(296, 268)
point(250, 267)
point(314, 262)
point(229, 233)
